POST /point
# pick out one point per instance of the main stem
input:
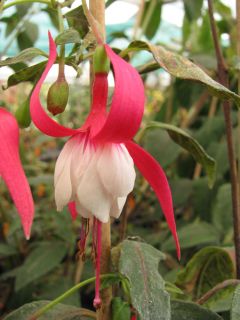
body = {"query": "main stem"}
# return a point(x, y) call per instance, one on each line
point(223, 79)
point(97, 8)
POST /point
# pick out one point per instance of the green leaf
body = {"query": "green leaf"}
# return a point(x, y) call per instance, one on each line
point(59, 312)
point(180, 67)
point(193, 234)
point(7, 250)
point(77, 20)
point(193, 9)
point(183, 139)
point(23, 56)
point(139, 263)
point(151, 18)
point(235, 308)
point(222, 218)
point(68, 36)
point(155, 141)
point(26, 74)
point(120, 309)
point(181, 310)
point(207, 268)
point(40, 261)
point(28, 36)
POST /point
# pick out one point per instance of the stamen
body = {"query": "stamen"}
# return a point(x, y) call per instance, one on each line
point(83, 238)
point(97, 225)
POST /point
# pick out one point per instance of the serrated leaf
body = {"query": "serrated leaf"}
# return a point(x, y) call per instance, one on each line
point(235, 308)
point(40, 261)
point(200, 275)
point(139, 264)
point(25, 55)
point(120, 309)
point(183, 139)
point(181, 310)
point(26, 74)
point(68, 36)
point(59, 312)
point(180, 67)
point(77, 20)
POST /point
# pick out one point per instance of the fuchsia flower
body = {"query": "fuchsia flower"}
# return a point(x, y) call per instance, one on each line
point(12, 172)
point(95, 170)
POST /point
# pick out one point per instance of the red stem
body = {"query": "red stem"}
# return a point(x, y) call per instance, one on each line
point(97, 300)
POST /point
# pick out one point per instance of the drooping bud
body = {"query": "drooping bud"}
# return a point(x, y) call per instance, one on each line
point(101, 63)
point(23, 114)
point(57, 97)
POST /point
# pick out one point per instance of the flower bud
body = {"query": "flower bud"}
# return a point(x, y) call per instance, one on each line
point(57, 97)
point(101, 63)
point(23, 114)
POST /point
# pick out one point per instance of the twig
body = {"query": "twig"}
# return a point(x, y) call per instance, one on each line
point(195, 110)
point(223, 79)
point(218, 287)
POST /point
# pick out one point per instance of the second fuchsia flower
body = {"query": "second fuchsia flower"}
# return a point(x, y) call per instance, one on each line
point(95, 170)
point(11, 170)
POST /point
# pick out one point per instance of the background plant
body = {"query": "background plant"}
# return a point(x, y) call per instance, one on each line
point(183, 128)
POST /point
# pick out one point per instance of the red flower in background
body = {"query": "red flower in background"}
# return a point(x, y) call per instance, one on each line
point(95, 170)
point(12, 172)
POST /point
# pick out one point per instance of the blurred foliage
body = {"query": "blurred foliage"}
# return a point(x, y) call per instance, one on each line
point(47, 265)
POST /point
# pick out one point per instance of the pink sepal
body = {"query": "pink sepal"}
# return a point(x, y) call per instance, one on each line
point(38, 114)
point(12, 172)
point(156, 177)
point(73, 210)
point(98, 113)
point(127, 105)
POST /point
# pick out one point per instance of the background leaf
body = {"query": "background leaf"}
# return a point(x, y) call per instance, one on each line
point(40, 261)
point(182, 138)
point(139, 263)
point(181, 310)
point(235, 310)
point(59, 312)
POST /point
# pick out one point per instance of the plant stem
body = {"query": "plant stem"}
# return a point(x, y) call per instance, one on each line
point(217, 288)
point(97, 9)
point(238, 80)
point(17, 2)
point(223, 79)
point(68, 293)
point(62, 47)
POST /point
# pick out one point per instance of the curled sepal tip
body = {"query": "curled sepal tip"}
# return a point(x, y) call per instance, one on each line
point(38, 114)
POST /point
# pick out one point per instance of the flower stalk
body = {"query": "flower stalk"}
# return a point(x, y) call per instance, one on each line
point(97, 9)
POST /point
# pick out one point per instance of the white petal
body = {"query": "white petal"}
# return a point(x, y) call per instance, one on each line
point(80, 161)
point(116, 169)
point(117, 207)
point(83, 211)
point(62, 158)
point(63, 187)
point(92, 194)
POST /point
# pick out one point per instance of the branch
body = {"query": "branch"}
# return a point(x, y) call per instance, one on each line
point(223, 79)
point(218, 287)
